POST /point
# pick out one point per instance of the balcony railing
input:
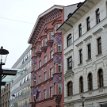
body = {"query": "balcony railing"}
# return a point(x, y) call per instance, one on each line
point(57, 57)
point(50, 43)
point(69, 73)
point(38, 53)
point(44, 48)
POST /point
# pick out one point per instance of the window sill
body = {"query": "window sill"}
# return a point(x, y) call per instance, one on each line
point(98, 55)
point(90, 91)
point(80, 64)
point(101, 89)
point(88, 60)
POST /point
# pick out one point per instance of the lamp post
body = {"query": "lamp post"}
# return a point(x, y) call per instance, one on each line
point(4, 72)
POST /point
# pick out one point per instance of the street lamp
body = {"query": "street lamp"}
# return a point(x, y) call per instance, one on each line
point(4, 72)
point(3, 55)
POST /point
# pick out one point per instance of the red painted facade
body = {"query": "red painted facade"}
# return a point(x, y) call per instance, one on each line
point(47, 64)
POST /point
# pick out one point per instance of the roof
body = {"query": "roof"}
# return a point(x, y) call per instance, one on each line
point(77, 14)
point(40, 16)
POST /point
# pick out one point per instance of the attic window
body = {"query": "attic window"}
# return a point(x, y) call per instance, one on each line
point(79, 4)
point(69, 15)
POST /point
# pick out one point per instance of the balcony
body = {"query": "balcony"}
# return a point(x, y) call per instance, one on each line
point(57, 77)
point(44, 48)
point(43, 36)
point(58, 38)
point(50, 43)
point(38, 53)
point(57, 99)
point(69, 73)
point(57, 57)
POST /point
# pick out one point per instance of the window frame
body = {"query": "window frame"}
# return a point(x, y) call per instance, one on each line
point(88, 23)
point(69, 40)
point(97, 12)
point(69, 88)
point(80, 29)
point(89, 51)
point(80, 56)
point(51, 54)
point(69, 63)
point(99, 46)
point(90, 82)
point(100, 78)
point(81, 84)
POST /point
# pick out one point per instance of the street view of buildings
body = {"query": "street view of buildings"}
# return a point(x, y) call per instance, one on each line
point(65, 64)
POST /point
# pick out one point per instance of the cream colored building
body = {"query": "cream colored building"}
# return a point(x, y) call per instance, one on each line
point(85, 55)
point(20, 90)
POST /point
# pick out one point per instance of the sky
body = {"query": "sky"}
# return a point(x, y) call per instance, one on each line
point(17, 18)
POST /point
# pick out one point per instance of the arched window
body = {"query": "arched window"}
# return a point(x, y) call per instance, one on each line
point(69, 88)
point(69, 40)
point(100, 78)
point(81, 84)
point(90, 82)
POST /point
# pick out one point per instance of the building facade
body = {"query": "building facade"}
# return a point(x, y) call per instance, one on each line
point(5, 96)
point(20, 90)
point(46, 59)
point(85, 55)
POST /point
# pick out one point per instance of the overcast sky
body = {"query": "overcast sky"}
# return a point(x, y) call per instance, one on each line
point(17, 18)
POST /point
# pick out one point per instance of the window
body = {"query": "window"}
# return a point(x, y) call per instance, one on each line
point(81, 84)
point(51, 35)
point(89, 51)
point(51, 54)
point(45, 76)
point(51, 91)
point(69, 40)
point(69, 62)
point(99, 45)
point(100, 78)
point(45, 59)
point(69, 88)
point(80, 56)
point(97, 16)
point(45, 94)
point(51, 72)
point(88, 23)
point(59, 68)
point(80, 30)
point(39, 80)
point(90, 82)
point(59, 48)
point(44, 41)
point(39, 63)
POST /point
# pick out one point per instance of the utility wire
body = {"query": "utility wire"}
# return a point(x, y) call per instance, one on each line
point(15, 20)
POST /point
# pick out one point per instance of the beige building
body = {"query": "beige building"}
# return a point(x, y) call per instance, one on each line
point(85, 55)
point(20, 90)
